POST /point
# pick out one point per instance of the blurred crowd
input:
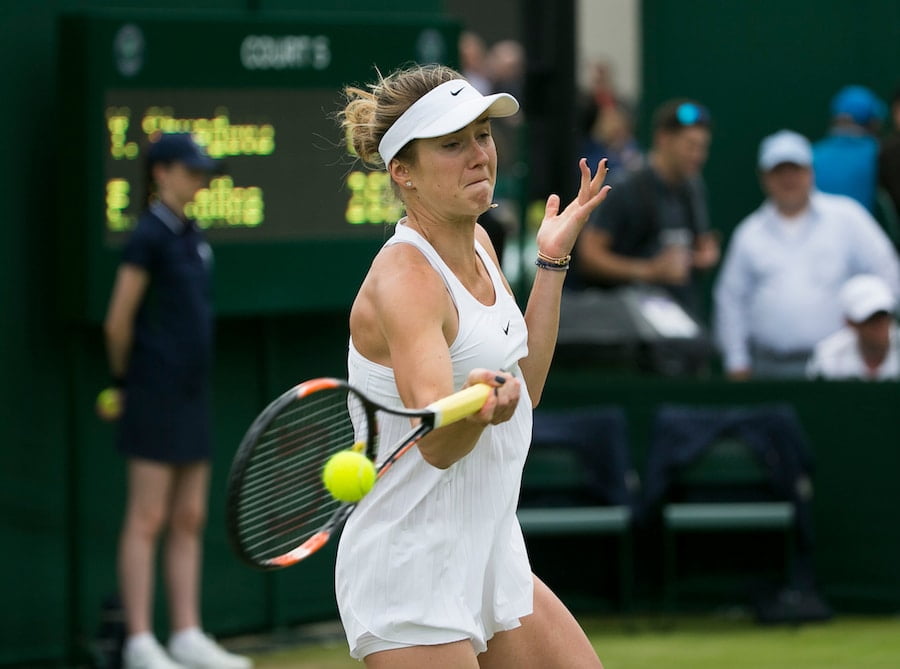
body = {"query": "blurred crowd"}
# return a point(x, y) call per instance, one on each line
point(805, 286)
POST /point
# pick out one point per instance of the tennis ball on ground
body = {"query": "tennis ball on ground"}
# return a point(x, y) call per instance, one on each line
point(348, 476)
point(109, 404)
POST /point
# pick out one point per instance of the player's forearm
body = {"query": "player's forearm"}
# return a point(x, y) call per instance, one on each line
point(449, 444)
point(542, 319)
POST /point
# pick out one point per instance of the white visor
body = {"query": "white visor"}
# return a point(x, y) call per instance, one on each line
point(449, 107)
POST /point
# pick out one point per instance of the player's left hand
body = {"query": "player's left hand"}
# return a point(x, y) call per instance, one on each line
point(559, 229)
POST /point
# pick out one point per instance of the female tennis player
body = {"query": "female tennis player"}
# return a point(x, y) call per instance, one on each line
point(431, 568)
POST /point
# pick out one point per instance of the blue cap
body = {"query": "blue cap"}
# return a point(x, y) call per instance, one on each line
point(180, 147)
point(859, 103)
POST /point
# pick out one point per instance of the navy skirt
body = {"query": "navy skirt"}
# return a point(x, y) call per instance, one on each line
point(166, 417)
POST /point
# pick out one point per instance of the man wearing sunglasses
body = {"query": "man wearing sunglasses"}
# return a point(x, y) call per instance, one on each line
point(653, 228)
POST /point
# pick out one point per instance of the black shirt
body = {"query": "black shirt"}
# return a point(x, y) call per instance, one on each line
point(643, 214)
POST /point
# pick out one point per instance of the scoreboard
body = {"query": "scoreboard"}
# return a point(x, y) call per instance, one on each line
point(284, 172)
point(293, 220)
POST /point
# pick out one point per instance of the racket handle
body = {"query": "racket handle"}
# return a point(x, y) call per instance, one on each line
point(460, 404)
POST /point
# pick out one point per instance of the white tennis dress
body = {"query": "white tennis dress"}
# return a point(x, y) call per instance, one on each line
point(433, 555)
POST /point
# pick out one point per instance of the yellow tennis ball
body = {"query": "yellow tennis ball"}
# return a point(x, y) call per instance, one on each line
point(109, 404)
point(348, 476)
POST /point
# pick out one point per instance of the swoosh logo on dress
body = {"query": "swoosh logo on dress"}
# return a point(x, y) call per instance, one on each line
point(506, 329)
point(456, 92)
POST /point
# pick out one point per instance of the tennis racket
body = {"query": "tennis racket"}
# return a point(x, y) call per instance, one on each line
point(278, 509)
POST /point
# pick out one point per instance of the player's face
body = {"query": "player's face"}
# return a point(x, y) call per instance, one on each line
point(788, 186)
point(454, 174)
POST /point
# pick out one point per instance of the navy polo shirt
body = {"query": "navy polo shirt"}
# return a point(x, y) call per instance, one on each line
point(174, 327)
point(168, 378)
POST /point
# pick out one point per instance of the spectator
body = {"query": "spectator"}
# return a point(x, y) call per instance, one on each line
point(473, 61)
point(889, 159)
point(776, 296)
point(846, 160)
point(505, 67)
point(654, 226)
point(602, 89)
point(607, 132)
point(866, 347)
point(473, 58)
point(606, 125)
point(506, 71)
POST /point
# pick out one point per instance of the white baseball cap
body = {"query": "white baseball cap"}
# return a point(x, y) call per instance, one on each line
point(785, 146)
point(442, 110)
point(865, 295)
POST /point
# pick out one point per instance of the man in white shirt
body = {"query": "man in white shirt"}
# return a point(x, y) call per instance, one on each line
point(866, 347)
point(777, 294)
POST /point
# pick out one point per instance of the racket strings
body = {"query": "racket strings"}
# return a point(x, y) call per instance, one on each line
point(283, 500)
point(284, 463)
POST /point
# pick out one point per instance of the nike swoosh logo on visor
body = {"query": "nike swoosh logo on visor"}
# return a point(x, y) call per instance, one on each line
point(456, 92)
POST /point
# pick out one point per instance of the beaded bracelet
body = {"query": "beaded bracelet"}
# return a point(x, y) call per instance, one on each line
point(548, 262)
point(546, 265)
point(554, 261)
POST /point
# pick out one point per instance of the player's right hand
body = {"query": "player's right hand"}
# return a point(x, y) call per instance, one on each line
point(501, 404)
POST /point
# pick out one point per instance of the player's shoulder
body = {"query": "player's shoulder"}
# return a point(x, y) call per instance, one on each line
point(402, 267)
point(401, 250)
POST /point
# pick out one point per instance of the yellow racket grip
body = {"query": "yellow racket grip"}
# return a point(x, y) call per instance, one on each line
point(460, 404)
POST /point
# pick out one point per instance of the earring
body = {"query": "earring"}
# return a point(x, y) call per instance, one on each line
point(409, 184)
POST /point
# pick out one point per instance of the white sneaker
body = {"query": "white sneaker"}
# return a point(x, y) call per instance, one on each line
point(147, 654)
point(195, 650)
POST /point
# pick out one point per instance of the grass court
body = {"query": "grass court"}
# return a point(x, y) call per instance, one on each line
point(726, 641)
